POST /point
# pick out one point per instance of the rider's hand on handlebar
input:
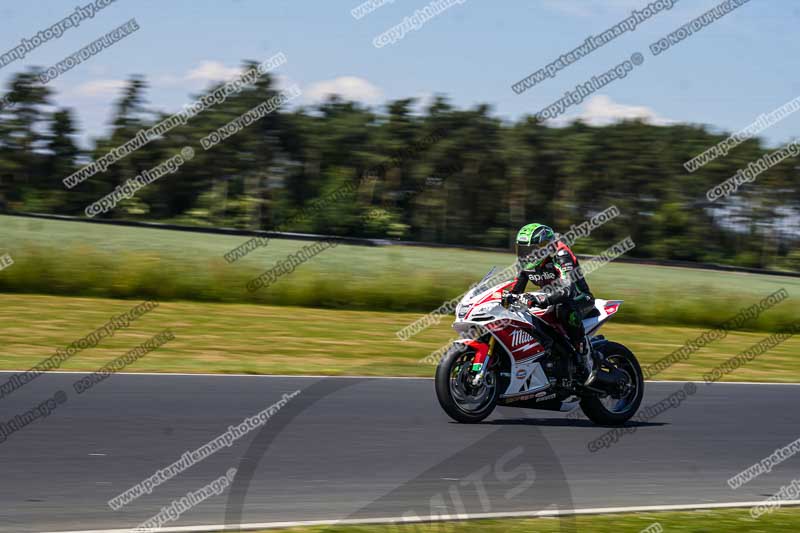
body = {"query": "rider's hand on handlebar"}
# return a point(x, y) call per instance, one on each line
point(536, 299)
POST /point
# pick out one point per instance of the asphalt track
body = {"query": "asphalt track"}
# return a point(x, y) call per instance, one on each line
point(367, 448)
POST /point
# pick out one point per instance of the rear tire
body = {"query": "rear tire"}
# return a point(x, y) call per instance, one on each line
point(593, 406)
point(450, 380)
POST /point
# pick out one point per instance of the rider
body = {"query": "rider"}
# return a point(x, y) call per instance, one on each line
point(548, 262)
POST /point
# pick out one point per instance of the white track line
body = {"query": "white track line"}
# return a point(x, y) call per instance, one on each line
point(476, 516)
point(724, 382)
point(189, 374)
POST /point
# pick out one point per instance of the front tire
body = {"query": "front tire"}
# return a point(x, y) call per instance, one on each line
point(462, 401)
point(611, 410)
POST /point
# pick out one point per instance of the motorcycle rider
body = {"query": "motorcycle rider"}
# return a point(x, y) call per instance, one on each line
point(548, 262)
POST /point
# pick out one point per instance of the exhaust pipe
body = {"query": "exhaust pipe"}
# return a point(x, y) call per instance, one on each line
point(605, 379)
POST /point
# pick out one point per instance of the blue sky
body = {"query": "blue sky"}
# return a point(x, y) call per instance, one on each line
point(726, 75)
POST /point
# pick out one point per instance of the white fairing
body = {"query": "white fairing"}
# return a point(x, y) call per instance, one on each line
point(606, 309)
point(527, 375)
point(478, 313)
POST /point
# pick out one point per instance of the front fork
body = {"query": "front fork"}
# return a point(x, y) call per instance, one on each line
point(483, 357)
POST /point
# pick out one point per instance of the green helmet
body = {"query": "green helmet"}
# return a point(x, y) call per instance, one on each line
point(532, 242)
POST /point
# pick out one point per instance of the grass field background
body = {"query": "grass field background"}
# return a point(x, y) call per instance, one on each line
point(91, 260)
point(722, 521)
point(258, 339)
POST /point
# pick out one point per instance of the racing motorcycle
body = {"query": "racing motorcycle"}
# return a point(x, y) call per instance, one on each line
point(515, 356)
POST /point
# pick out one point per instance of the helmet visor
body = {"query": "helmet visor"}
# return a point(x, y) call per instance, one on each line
point(531, 253)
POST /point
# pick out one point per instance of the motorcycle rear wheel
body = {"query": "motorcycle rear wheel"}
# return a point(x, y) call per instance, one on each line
point(460, 399)
point(612, 411)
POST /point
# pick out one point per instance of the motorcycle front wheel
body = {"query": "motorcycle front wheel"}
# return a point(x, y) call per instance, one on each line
point(460, 398)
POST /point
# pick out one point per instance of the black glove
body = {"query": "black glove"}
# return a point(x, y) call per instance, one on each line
point(536, 300)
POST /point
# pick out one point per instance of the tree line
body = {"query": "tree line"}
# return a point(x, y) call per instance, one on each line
point(439, 174)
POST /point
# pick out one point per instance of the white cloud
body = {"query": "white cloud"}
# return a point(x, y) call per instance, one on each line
point(205, 73)
point(209, 71)
point(347, 87)
point(424, 100)
point(99, 88)
point(282, 82)
point(600, 110)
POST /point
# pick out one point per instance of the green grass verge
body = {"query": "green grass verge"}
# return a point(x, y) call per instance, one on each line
point(721, 521)
point(244, 338)
point(79, 259)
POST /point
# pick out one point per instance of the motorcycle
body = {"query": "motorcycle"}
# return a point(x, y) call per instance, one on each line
point(515, 356)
